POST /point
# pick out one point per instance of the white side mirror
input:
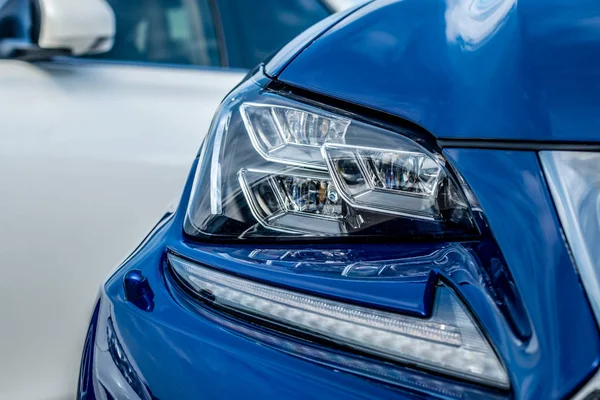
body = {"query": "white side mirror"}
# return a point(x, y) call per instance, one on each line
point(78, 26)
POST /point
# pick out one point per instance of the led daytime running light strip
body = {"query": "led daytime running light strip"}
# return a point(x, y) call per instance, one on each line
point(448, 342)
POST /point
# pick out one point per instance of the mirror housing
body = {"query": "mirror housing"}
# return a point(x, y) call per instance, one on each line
point(77, 26)
point(35, 30)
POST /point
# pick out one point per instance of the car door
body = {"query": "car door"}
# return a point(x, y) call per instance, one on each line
point(92, 151)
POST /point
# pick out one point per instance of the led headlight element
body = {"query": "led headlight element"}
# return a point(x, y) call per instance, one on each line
point(289, 135)
point(293, 202)
point(371, 178)
point(276, 167)
point(449, 342)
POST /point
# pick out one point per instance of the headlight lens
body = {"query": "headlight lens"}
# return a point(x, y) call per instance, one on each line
point(273, 166)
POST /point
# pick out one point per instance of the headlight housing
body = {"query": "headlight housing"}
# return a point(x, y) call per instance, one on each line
point(274, 166)
point(279, 167)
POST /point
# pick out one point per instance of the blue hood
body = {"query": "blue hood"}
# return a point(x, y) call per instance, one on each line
point(463, 69)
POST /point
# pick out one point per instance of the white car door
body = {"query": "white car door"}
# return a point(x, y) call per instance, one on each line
point(92, 152)
point(91, 155)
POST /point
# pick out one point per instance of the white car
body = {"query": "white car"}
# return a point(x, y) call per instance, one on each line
point(94, 136)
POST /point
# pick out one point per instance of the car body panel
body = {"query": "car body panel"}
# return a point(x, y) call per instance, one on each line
point(484, 70)
point(205, 358)
point(521, 214)
point(88, 147)
point(213, 357)
point(287, 53)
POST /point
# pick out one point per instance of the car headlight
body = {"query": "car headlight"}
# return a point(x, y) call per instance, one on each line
point(276, 166)
point(448, 342)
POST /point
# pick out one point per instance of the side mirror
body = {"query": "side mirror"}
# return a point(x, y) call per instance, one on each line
point(78, 26)
point(40, 29)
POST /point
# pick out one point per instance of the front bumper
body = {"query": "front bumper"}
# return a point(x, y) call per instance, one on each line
point(170, 350)
point(175, 354)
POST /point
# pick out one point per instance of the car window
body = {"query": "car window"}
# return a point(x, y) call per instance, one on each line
point(253, 32)
point(164, 31)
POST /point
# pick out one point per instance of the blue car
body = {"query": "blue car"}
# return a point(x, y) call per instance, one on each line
point(403, 203)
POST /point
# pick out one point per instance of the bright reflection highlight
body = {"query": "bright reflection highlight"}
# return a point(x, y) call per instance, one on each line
point(471, 22)
point(289, 135)
point(448, 342)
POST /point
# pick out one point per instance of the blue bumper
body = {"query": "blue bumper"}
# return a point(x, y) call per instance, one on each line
point(167, 346)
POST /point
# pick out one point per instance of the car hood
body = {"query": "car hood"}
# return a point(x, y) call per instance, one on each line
point(462, 69)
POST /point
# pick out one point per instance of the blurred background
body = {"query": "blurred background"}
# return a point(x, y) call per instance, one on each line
point(103, 107)
point(223, 33)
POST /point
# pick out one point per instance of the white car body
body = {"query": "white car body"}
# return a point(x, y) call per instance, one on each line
point(90, 158)
point(91, 155)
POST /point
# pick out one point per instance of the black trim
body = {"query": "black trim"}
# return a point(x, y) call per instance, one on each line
point(356, 111)
point(35, 13)
point(420, 134)
point(219, 32)
point(327, 6)
point(199, 237)
point(523, 145)
point(33, 53)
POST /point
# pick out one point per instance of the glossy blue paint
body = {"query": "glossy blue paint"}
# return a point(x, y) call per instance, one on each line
point(515, 199)
point(380, 371)
point(287, 53)
point(137, 290)
point(463, 69)
point(517, 279)
point(381, 289)
point(209, 357)
point(225, 358)
point(179, 354)
point(395, 277)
